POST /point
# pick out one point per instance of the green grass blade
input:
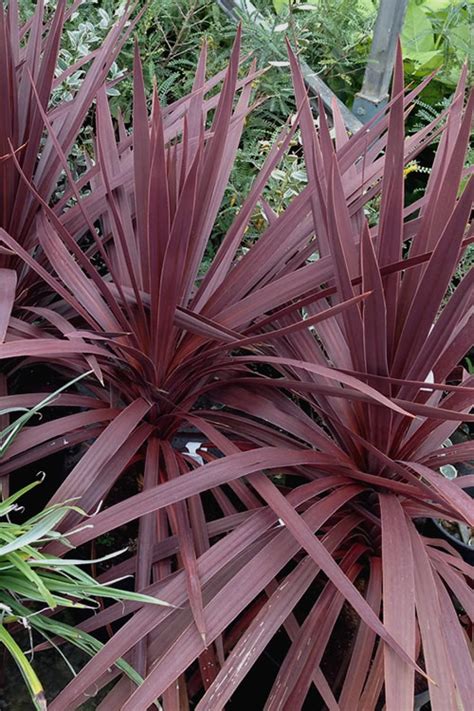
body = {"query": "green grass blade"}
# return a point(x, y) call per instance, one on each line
point(28, 673)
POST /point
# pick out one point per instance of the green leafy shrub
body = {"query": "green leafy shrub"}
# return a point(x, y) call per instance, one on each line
point(333, 36)
point(437, 35)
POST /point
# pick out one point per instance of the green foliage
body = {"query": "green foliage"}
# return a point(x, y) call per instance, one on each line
point(85, 32)
point(170, 35)
point(437, 35)
point(31, 581)
point(333, 37)
point(466, 264)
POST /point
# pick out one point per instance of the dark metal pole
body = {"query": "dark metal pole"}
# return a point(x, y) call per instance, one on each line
point(374, 92)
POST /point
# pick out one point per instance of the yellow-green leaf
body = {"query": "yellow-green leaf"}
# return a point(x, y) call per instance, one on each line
point(417, 33)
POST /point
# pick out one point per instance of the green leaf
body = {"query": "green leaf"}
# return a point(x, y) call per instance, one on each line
point(9, 410)
point(27, 671)
point(417, 33)
point(37, 580)
point(9, 433)
point(35, 532)
point(460, 37)
point(83, 641)
point(280, 5)
point(29, 591)
point(426, 62)
point(437, 5)
point(366, 7)
point(449, 77)
point(8, 503)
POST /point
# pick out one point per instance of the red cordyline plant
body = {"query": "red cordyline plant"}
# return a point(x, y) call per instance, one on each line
point(36, 134)
point(28, 78)
point(324, 388)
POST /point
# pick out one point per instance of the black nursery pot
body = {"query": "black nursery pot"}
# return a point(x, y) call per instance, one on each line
point(439, 531)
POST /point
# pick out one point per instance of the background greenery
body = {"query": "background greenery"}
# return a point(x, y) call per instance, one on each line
point(333, 36)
